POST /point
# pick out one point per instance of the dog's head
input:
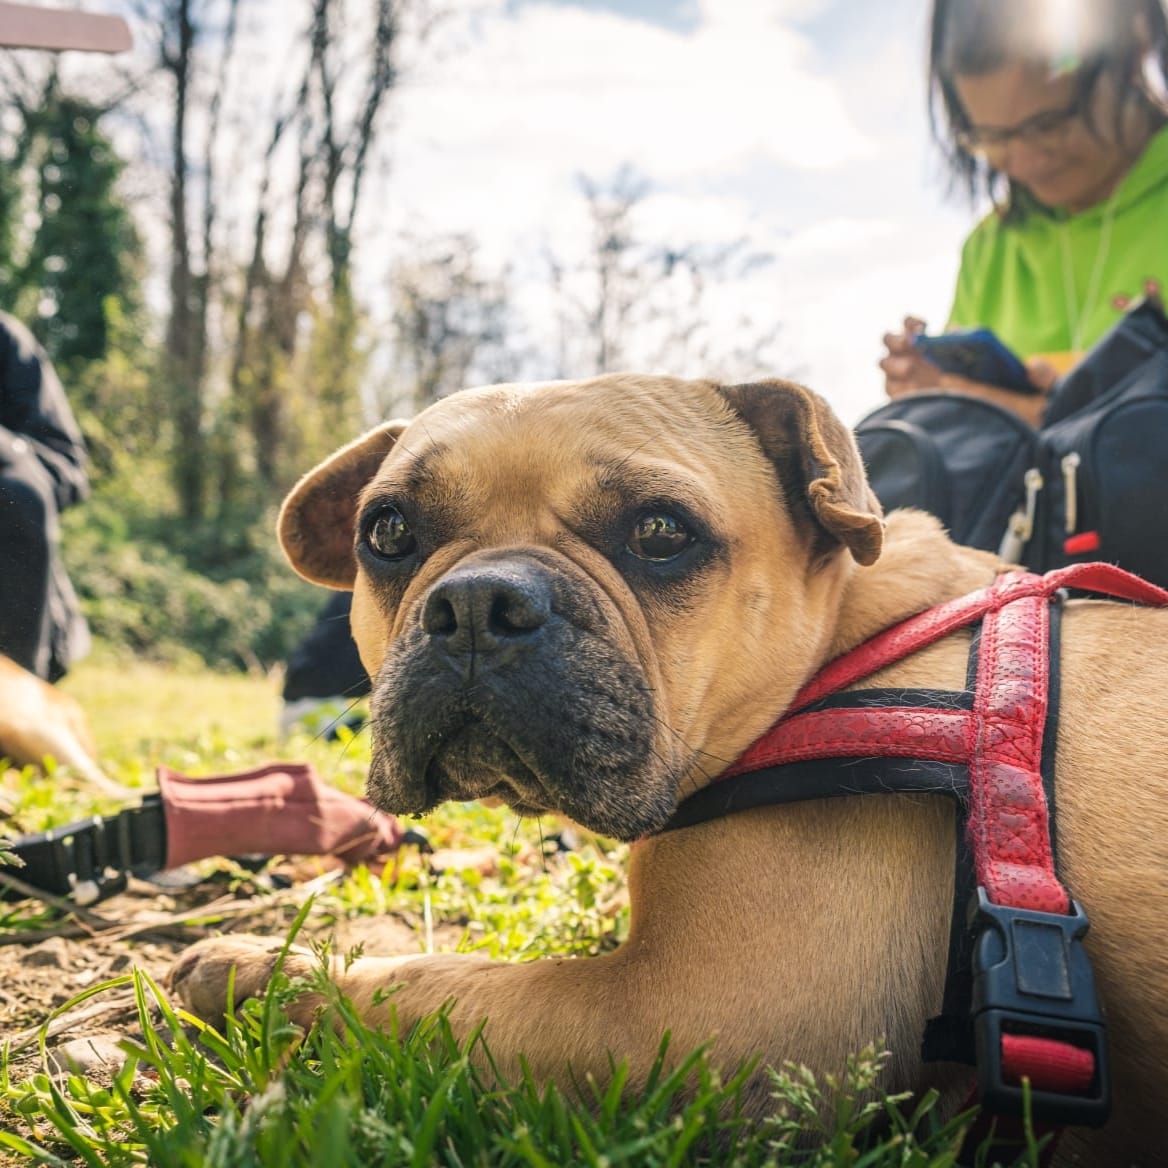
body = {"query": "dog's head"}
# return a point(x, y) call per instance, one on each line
point(585, 597)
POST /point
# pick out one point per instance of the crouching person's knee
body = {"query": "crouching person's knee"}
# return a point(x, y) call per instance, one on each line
point(28, 514)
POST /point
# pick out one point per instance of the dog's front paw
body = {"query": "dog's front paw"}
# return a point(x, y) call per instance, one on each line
point(202, 974)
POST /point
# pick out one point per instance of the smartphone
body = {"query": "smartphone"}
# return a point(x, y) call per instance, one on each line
point(978, 355)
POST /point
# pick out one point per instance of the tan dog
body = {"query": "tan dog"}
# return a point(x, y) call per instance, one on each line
point(38, 721)
point(589, 598)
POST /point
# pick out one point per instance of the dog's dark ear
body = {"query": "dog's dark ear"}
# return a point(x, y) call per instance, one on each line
point(318, 520)
point(817, 461)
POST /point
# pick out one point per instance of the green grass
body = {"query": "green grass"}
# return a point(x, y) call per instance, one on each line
point(141, 710)
point(261, 1093)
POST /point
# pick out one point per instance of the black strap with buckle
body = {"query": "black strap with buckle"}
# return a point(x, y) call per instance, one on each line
point(1033, 977)
point(90, 859)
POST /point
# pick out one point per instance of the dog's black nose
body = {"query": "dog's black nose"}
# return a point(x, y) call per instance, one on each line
point(483, 608)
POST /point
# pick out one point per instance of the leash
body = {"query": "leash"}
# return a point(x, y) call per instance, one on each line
point(1020, 1000)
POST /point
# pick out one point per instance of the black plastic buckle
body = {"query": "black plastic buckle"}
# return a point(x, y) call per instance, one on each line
point(90, 859)
point(1032, 976)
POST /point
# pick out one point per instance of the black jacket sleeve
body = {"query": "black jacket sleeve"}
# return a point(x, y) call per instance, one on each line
point(33, 408)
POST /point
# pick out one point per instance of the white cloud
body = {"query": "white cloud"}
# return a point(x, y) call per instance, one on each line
point(587, 90)
point(750, 12)
point(835, 236)
point(744, 125)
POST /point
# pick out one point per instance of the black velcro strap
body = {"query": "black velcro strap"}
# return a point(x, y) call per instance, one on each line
point(948, 1037)
point(879, 697)
point(90, 859)
point(820, 779)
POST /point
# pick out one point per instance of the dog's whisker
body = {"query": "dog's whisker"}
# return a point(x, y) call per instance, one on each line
point(322, 735)
point(515, 832)
point(349, 743)
point(543, 858)
point(694, 751)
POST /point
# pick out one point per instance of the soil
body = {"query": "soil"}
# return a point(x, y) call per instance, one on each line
point(147, 926)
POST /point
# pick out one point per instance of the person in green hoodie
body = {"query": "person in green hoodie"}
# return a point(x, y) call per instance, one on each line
point(1058, 111)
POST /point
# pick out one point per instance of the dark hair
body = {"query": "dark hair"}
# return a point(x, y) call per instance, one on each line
point(973, 37)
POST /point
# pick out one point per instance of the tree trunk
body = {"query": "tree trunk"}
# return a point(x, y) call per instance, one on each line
point(184, 332)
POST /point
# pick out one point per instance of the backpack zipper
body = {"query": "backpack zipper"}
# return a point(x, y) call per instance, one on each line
point(1070, 466)
point(1021, 525)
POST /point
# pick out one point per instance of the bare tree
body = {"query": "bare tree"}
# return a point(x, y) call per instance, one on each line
point(617, 258)
point(233, 409)
point(333, 149)
point(633, 300)
point(345, 146)
point(185, 329)
point(451, 323)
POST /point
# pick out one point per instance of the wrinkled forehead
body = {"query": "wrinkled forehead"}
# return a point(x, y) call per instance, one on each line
point(632, 435)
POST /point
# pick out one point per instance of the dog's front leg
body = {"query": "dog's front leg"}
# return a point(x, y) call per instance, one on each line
point(563, 1016)
point(552, 1012)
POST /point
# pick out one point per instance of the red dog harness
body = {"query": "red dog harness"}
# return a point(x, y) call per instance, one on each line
point(1020, 998)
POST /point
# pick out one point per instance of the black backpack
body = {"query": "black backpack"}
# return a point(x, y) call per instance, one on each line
point(1090, 484)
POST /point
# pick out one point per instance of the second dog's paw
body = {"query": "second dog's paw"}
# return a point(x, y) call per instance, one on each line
point(201, 975)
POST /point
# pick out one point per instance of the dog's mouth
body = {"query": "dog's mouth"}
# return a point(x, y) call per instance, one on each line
point(476, 762)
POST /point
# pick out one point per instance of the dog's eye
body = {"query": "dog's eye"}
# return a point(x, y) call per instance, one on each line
point(389, 535)
point(657, 535)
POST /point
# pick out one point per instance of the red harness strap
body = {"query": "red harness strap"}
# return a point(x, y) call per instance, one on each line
point(1000, 740)
point(897, 642)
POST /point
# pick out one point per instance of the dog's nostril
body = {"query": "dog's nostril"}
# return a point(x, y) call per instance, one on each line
point(512, 611)
point(439, 617)
point(481, 611)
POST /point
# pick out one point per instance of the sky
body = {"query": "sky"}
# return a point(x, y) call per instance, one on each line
point(799, 124)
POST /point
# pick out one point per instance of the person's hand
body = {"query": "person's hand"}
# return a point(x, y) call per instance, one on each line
point(907, 371)
point(1043, 375)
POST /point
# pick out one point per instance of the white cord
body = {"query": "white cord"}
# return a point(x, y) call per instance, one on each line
point(1077, 315)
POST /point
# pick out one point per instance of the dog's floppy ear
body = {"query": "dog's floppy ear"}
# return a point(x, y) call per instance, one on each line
point(817, 461)
point(319, 517)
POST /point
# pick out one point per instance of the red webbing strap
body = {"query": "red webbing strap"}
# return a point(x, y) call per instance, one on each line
point(1000, 740)
point(900, 641)
point(1106, 580)
point(907, 732)
point(1048, 1064)
point(896, 643)
point(1009, 823)
point(878, 732)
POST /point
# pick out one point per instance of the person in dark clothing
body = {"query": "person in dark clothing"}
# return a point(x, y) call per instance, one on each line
point(42, 471)
point(324, 675)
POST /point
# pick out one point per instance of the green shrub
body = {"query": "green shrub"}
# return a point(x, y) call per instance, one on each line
point(223, 594)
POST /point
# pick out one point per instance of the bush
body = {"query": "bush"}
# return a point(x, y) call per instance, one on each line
point(222, 594)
